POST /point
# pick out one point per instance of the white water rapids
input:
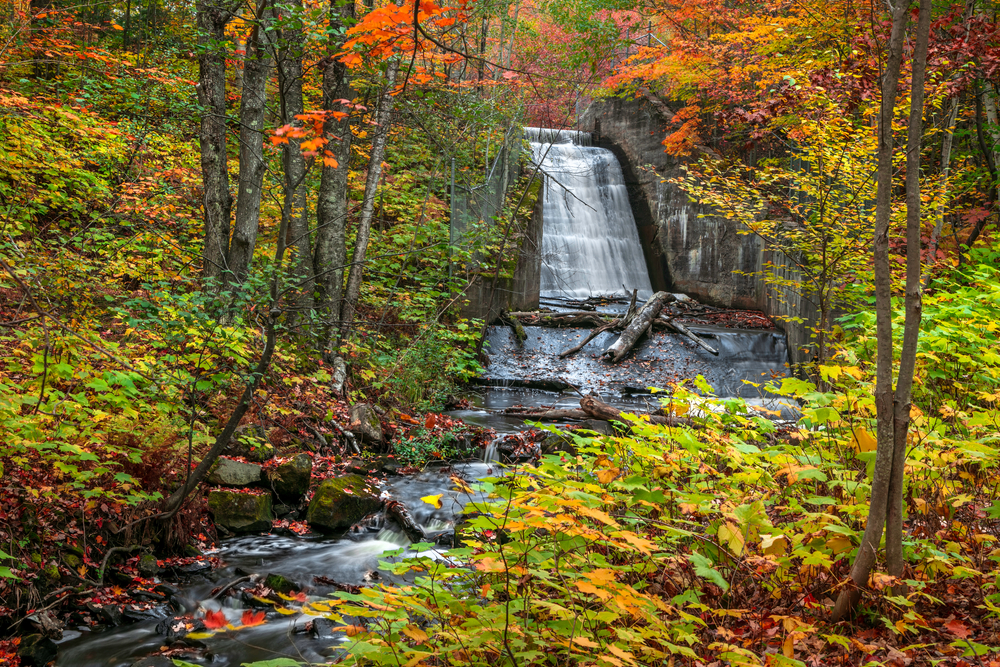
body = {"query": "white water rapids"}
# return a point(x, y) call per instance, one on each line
point(590, 245)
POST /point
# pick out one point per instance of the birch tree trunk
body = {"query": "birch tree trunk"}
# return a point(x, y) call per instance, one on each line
point(946, 145)
point(289, 62)
point(384, 120)
point(217, 202)
point(331, 206)
point(256, 72)
point(868, 549)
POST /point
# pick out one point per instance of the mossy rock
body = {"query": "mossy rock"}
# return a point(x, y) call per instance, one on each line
point(290, 480)
point(228, 472)
point(281, 584)
point(341, 502)
point(365, 425)
point(241, 512)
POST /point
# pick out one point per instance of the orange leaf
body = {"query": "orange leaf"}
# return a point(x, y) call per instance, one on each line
point(251, 618)
point(957, 628)
point(431, 421)
point(330, 162)
point(278, 140)
point(214, 620)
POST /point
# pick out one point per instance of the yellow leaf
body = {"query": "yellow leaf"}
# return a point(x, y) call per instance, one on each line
point(605, 475)
point(587, 587)
point(645, 546)
point(433, 500)
point(415, 633)
point(732, 537)
point(773, 545)
point(839, 543)
point(863, 441)
point(583, 641)
point(285, 611)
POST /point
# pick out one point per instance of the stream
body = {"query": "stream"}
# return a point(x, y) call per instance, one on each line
point(590, 247)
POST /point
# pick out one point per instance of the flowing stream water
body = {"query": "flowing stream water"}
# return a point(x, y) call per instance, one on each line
point(590, 248)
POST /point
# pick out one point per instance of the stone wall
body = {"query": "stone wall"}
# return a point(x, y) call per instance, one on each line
point(697, 251)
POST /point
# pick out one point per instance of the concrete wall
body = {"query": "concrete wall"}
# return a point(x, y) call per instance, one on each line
point(700, 252)
point(519, 293)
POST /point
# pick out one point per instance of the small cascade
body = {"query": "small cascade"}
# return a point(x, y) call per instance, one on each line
point(590, 244)
point(492, 452)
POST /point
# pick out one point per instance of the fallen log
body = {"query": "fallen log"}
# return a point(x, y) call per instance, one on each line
point(397, 511)
point(582, 320)
point(597, 409)
point(684, 331)
point(594, 333)
point(639, 324)
point(515, 326)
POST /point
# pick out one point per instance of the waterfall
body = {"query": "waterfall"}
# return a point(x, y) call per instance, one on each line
point(590, 245)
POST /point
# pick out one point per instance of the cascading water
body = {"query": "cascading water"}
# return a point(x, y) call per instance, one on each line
point(590, 245)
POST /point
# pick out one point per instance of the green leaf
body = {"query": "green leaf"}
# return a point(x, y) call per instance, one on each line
point(703, 568)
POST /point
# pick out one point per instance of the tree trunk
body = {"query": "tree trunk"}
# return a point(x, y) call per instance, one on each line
point(989, 155)
point(331, 207)
point(384, 120)
point(638, 326)
point(946, 144)
point(868, 549)
point(911, 327)
point(217, 202)
point(256, 72)
point(289, 62)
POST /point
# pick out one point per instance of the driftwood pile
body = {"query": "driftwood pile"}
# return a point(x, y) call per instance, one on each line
point(635, 323)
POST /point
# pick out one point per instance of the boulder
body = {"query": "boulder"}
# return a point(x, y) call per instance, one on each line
point(290, 480)
point(148, 567)
point(341, 502)
point(365, 425)
point(36, 651)
point(251, 443)
point(240, 512)
point(281, 584)
point(227, 472)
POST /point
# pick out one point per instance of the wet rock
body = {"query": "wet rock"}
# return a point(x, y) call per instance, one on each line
point(321, 628)
point(597, 426)
point(154, 661)
point(281, 584)
point(227, 472)
point(166, 590)
point(111, 615)
point(364, 424)
point(240, 512)
point(290, 480)
point(148, 567)
point(251, 443)
point(136, 614)
point(558, 442)
point(36, 651)
point(341, 502)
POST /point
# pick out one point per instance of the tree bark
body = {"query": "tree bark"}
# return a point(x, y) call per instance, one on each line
point(991, 162)
point(877, 510)
point(913, 304)
point(638, 326)
point(684, 331)
point(217, 202)
point(289, 61)
point(256, 72)
point(384, 121)
point(331, 207)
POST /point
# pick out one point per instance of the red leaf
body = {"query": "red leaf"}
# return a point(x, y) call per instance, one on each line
point(251, 618)
point(431, 421)
point(958, 629)
point(214, 620)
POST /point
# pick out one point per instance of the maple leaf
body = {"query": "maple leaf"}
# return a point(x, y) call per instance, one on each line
point(214, 620)
point(958, 628)
point(251, 618)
